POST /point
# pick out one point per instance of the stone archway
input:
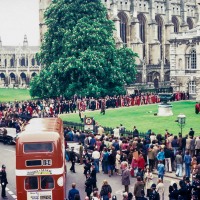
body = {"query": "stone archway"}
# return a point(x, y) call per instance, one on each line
point(23, 78)
point(33, 74)
point(12, 78)
point(156, 78)
point(2, 79)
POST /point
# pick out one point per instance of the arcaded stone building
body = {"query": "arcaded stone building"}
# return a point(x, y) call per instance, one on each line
point(18, 64)
point(164, 33)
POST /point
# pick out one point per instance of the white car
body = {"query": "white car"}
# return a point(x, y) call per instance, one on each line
point(10, 136)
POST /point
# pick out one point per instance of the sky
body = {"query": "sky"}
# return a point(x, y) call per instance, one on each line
point(19, 18)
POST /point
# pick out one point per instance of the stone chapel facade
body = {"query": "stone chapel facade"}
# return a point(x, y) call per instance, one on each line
point(164, 33)
point(18, 64)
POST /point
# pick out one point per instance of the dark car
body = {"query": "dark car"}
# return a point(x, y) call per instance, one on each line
point(10, 136)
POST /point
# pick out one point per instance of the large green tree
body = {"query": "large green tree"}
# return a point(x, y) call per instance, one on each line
point(79, 54)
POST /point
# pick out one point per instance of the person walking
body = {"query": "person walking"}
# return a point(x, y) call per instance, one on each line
point(160, 188)
point(117, 163)
point(4, 181)
point(138, 188)
point(96, 156)
point(148, 179)
point(125, 176)
point(161, 169)
point(197, 145)
point(154, 194)
point(151, 158)
point(179, 164)
point(187, 160)
point(161, 155)
point(93, 175)
point(72, 192)
point(72, 158)
point(88, 185)
point(106, 190)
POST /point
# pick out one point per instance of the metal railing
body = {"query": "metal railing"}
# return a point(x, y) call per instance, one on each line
point(108, 130)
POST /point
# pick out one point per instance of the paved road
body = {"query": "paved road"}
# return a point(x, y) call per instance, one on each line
point(7, 157)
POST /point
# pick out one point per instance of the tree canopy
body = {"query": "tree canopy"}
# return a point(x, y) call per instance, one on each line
point(78, 53)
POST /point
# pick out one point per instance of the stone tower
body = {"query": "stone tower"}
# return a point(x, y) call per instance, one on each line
point(43, 4)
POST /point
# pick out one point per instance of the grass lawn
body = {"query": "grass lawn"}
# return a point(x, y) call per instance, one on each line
point(143, 117)
point(7, 94)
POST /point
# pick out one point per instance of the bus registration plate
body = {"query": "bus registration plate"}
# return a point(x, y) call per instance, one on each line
point(47, 162)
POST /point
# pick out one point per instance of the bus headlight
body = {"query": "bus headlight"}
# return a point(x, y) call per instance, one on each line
point(60, 181)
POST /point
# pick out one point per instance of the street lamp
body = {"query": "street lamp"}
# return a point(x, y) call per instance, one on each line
point(181, 121)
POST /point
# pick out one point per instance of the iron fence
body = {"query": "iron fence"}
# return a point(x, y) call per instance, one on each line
point(108, 130)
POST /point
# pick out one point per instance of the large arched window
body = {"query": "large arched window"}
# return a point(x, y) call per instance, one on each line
point(33, 61)
point(33, 74)
point(142, 32)
point(2, 78)
point(123, 27)
point(167, 76)
point(176, 24)
point(192, 60)
point(149, 77)
point(12, 78)
point(190, 23)
point(23, 78)
point(12, 62)
point(23, 62)
point(160, 28)
point(160, 33)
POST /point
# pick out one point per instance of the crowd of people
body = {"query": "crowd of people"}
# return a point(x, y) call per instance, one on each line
point(53, 106)
point(118, 155)
point(141, 158)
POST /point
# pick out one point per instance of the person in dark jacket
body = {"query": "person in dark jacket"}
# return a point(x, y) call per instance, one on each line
point(72, 158)
point(73, 192)
point(188, 188)
point(182, 191)
point(93, 175)
point(154, 195)
point(106, 190)
point(111, 162)
point(87, 168)
point(88, 185)
point(139, 186)
point(4, 181)
point(174, 193)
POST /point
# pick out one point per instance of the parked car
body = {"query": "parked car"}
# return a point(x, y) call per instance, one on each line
point(10, 136)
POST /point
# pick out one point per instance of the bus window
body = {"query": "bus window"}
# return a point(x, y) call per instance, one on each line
point(31, 183)
point(30, 163)
point(38, 147)
point(47, 182)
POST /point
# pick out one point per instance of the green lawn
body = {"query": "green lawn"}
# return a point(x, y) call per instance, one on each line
point(7, 94)
point(143, 117)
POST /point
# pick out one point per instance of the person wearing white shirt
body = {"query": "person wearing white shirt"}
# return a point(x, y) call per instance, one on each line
point(116, 132)
point(96, 156)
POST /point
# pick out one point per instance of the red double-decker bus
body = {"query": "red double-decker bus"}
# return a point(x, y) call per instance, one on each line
point(40, 161)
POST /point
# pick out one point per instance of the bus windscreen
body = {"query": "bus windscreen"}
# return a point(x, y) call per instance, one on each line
point(38, 147)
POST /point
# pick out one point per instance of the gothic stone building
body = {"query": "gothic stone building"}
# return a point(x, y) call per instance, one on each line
point(164, 33)
point(18, 64)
